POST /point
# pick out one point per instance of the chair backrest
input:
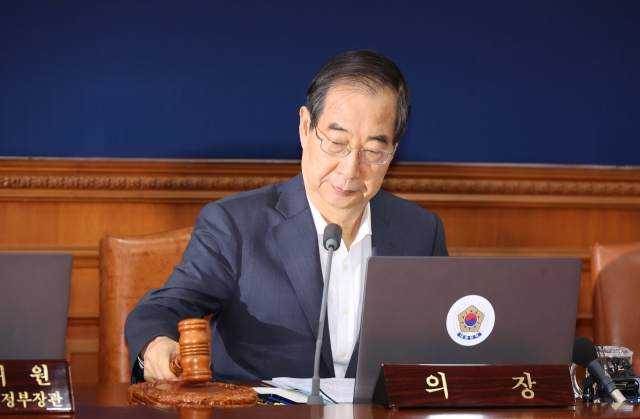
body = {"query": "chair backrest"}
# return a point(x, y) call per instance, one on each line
point(615, 271)
point(129, 267)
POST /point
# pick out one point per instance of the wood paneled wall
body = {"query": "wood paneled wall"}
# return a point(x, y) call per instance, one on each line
point(68, 205)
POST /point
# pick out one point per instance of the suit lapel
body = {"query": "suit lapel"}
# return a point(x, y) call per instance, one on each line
point(297, 242)
point(382, 234)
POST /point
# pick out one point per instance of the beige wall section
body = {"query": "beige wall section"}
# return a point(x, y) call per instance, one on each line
point(68, 205)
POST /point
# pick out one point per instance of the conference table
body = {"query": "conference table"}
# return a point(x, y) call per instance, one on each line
point(109, 401)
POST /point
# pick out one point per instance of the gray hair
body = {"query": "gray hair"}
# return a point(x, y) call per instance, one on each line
point(371, 70)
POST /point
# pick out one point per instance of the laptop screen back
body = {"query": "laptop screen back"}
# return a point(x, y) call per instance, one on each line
point(431, 310)
point(34, 302)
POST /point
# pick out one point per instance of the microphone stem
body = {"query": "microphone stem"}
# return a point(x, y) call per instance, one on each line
point(315, 397)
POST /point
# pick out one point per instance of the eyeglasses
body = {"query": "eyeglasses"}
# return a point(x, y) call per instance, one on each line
point(340, 149)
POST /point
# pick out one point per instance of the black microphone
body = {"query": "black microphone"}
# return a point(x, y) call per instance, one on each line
point(331, 241)
point(585, 355)
point(332, 236)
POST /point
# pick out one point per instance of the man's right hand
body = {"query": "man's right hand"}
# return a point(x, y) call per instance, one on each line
point(157, 356)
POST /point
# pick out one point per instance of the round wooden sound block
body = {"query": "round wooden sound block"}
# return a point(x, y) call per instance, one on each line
point(176, 393)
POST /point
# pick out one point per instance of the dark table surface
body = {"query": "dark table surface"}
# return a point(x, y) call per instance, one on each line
point(109, 401)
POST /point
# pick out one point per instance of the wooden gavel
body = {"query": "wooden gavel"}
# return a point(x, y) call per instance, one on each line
point(194, 359)
point(196, 389)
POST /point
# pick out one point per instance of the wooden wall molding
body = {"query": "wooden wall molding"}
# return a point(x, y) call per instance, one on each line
point(228, 183)
point(520, 187)
point(203, 181)
point(219, 183)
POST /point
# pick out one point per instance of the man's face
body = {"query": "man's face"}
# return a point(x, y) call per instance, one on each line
point(340, 187)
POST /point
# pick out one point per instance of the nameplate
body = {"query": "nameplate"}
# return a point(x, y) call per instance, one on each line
point(473, 386)
point(32, 386)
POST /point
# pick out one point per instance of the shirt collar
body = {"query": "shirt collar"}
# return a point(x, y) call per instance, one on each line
point(363, 231)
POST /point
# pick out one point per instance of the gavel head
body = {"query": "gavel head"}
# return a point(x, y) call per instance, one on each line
point(195, 355)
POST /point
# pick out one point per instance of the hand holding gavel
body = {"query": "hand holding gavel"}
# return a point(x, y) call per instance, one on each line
point(166, 359)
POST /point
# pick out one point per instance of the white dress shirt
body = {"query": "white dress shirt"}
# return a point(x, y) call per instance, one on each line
point(346, 286)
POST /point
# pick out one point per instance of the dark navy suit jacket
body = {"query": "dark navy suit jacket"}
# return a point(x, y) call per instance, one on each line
point(253, 262)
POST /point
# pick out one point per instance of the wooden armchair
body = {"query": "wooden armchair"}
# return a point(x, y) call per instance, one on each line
point(615, 271)
point(129, 267)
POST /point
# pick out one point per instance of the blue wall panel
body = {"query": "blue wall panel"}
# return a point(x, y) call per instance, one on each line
point(491, 81)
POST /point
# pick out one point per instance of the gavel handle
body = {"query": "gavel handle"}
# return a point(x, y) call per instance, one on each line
point(174, 365)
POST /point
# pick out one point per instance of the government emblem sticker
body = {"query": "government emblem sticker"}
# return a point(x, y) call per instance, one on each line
point(470, 320)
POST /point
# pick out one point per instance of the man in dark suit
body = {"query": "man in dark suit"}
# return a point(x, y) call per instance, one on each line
point(255, 260)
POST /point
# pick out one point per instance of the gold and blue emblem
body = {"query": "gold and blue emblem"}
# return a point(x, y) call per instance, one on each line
point(470, 322)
